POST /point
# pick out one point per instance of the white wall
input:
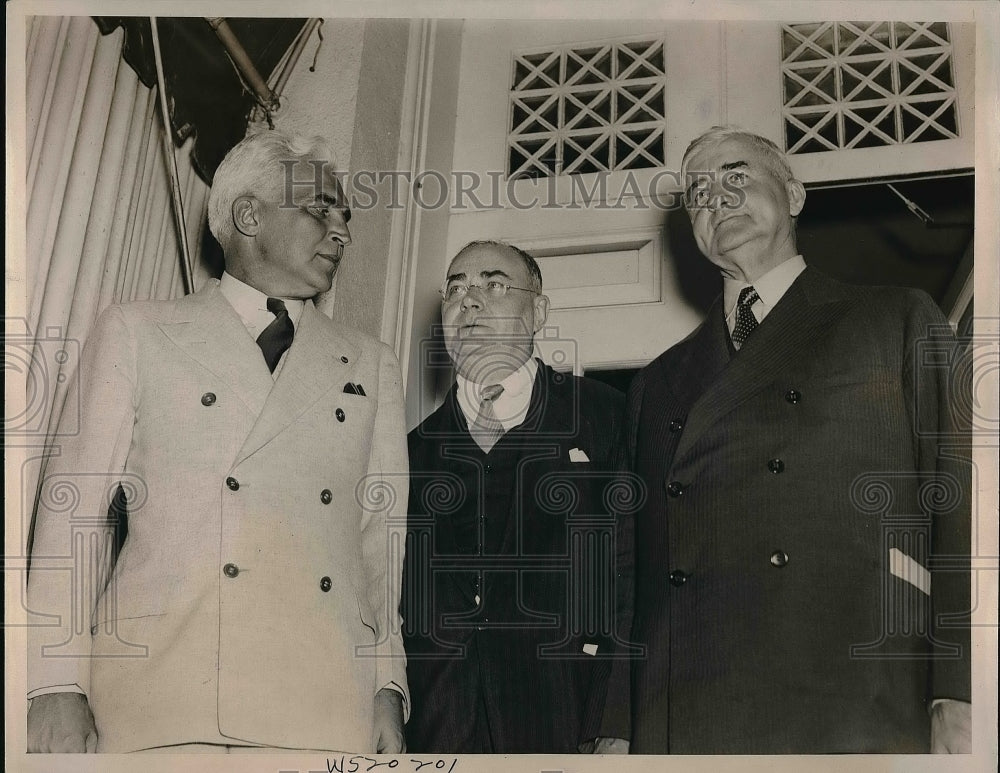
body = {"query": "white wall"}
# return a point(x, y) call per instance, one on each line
point(354, 99)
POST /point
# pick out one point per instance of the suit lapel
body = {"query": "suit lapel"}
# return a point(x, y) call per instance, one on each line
point(706, 355)
point(539, 443)
point(210, 331)
point(790, 330)
point(675, 384)
point(313, 367)
point(551, 407)
point(453, 446)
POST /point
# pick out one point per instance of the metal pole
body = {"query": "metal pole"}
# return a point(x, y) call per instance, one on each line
point(294, 53)
point(911, 205)
point(175, 186)
point(242, 62)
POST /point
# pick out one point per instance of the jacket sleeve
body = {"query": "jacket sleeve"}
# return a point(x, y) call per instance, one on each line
point(616, 720)
point(383, 526)
point(73, 540)
point(937, 384)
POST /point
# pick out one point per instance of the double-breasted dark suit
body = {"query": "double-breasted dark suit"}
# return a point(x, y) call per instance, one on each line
point(798, 491)
point(508, 583)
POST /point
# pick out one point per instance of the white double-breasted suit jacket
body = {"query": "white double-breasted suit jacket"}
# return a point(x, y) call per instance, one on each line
point(255, 599)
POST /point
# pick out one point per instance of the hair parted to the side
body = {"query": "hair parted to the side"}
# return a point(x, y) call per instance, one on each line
point(534, 272)
point(253, 167)
point(773, 156)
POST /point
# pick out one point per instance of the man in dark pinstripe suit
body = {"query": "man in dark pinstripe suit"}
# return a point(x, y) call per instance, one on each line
point(805, 481)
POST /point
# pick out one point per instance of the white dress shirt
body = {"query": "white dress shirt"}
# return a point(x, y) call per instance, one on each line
point(511, 407)
point(251, 306)
point(770, 287)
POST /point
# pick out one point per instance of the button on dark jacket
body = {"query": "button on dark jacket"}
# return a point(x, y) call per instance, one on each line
point(796, 454)
point(530, 685)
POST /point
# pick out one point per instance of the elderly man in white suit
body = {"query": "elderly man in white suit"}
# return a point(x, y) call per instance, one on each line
point(254, 602)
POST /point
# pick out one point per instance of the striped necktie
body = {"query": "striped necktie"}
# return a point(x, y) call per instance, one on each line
point(486, 430)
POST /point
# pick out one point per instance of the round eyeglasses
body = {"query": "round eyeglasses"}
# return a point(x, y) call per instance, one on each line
point(494, 288)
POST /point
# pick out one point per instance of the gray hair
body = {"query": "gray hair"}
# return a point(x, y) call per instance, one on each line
point(253, 167)
point(534, 272)
point(773, 156)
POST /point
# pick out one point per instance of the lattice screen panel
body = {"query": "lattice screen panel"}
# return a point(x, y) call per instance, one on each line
point(866, 84)
point(589, 108)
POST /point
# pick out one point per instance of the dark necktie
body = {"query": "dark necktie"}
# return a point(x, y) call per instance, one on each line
point(276, 337)
point(486, 430)
point(745, 320)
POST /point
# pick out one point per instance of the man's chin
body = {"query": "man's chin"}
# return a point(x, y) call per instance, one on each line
point(729, 252)
point(323, 287)
point(487, 362)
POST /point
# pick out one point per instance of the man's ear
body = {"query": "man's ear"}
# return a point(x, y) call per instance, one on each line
point(245, 215)
point(541, 311)
point(796, 196)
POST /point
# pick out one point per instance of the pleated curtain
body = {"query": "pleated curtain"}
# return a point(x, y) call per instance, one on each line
point(100, 227)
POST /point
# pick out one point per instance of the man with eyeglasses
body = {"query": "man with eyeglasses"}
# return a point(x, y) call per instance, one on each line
point(510, 576)
point(253, 605)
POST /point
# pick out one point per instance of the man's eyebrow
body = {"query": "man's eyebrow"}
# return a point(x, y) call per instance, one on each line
point(485, 274)
point(326, 198)
point(701, 176)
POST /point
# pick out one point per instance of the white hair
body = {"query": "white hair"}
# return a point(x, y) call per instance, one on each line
point(773, 156)
point(253, 167)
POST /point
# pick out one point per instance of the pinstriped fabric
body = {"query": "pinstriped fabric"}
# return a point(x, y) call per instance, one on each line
point(751, 655)
point(510, 674)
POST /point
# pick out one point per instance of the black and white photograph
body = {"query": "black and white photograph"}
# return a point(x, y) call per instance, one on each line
point(528, 386)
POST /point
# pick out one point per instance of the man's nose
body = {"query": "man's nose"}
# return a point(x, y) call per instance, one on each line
point(336, 227)
point(473, 298)
point(722, 198)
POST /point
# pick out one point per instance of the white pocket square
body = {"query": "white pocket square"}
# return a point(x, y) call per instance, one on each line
point(576, 455)
point(905, 568)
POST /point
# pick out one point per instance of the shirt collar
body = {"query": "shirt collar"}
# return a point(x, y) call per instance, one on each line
point(770, 287)
point(251, 304)
point(511, 407)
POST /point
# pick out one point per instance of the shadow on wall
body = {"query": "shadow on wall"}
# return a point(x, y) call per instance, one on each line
point(211, 254)
point(442, 372)
point(699, 281)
